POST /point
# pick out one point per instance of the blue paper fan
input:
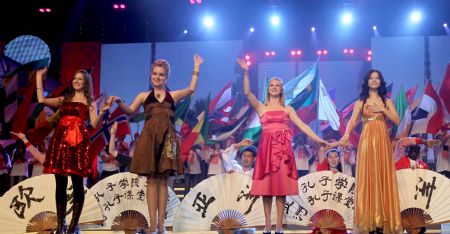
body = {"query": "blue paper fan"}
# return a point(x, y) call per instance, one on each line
point(27, 48)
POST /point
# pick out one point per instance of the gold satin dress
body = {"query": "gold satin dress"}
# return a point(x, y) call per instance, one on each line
point(376, 199)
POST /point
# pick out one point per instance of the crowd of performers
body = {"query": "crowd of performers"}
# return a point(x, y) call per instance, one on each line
point(275, 165)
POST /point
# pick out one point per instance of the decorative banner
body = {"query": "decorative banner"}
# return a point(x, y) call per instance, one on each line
point(30, 206)
point(123, 200)
point(325, 200)
point(27, 48)
point(424, 197)
point(221, 202)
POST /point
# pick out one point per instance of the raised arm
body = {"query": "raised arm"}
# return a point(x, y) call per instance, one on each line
point(304, 127)
point(96, 118)
point(250, 96)
point(136, 104)
point(182, 93)
point(37, 155)
point(352, 122)
point(53, 102)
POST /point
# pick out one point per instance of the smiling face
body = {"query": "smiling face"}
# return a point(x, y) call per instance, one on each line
point(374, 81)
point(158, 76)
point(78, 81)
point(275, 88)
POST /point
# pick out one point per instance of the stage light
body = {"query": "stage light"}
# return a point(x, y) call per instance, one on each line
point(116, 6)
point(319, 52)
point(445, 25)
point(351, 51)
point(275, 20)
point(122, 6)
point(345, 51)
point(267, 53)
point(369, 52)
point(325, 52)
point(293, 52)
point(208, 21)
point(347, 18)
point(252, 29)
point(415, 16)
point(273, 53)
point(42, 10)
point(185, 31)
point(374, 27)
point(247, 57)
point(249, 63)
point(313, 29)
point(48, 10)
point(369, 58)
point(299, 52)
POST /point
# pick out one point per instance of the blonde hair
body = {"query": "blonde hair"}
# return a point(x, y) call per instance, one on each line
point(282, 96)
point(161, 63)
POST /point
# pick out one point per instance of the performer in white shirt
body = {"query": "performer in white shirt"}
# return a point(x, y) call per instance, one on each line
point(248, 157)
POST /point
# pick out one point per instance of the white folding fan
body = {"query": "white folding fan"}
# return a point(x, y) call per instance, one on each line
point(221, 202)
point(424, 197)
point(30, 206)
point(325, 200)
point(123, 200)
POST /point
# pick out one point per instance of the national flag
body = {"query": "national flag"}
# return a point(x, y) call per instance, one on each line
point(11, 87)
point(301, 90)
point(429, 117)
point(402, 107)
point(222, 98)
point(444, 93)
point(191, 138)
point(203, 134)
point(411, 93)
point(326, 108)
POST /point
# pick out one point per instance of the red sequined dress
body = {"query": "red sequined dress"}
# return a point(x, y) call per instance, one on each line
point(69, 146)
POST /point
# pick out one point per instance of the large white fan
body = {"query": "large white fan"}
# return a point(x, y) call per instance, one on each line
point(30, 206)
point(124, 202)
point(424, 197)
point(325, 200)
point(221, 202)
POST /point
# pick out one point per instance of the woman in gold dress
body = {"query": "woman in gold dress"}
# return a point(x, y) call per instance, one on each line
point(377, 207)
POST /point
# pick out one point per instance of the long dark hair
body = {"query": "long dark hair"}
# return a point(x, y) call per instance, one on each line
point(338, 152)
point(382, 91)
point(87, 88)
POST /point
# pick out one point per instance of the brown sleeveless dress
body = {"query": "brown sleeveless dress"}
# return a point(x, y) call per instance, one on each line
point(157, 152)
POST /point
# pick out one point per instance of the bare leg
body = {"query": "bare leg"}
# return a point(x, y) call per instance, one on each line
point(162, 202)
point(267, 203)
point(152, 200)
point(280, 201)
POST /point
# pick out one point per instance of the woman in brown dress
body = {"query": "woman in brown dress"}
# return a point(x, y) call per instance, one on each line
point(156, 153)
point(67, 153)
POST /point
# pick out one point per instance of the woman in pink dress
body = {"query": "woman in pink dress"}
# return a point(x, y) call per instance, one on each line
point(275, 171)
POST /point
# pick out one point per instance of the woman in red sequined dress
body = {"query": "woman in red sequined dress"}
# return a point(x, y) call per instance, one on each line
point(275, 172)
point(67, 153)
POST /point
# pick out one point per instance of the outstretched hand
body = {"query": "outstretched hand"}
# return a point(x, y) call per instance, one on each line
point(242, 63)
point(198, 60)
point(245, 142)
point(19, 135)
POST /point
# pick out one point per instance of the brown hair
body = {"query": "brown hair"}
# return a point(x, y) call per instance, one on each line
point(162, 63)
point(87, 88)
point(282, 96)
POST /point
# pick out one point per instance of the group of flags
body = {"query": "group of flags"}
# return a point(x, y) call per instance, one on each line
point(224, 115)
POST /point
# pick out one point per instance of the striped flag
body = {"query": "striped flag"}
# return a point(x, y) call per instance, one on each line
point(402, 107)
point(429, 117)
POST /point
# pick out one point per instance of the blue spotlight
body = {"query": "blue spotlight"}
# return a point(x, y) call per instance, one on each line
point(185, 31)
point(374, 28)
point(275, 20)
point(445, 25)
point(208, 21)
point(252, 29)
point(347, 18)
point(415, 16)
point(313, 29)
